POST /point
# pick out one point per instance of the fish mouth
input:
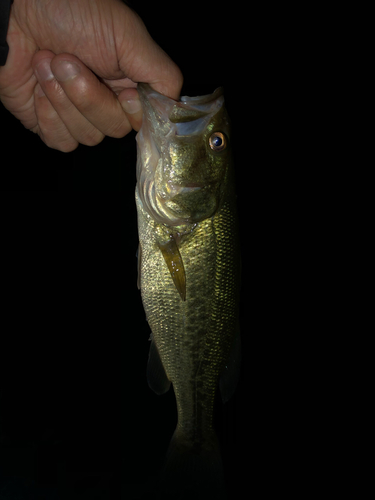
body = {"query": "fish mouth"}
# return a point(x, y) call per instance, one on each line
point(188, 116)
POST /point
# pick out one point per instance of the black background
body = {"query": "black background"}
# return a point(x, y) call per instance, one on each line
point(77, 417)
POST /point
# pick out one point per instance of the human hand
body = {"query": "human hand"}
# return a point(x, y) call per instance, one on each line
point(73, 68)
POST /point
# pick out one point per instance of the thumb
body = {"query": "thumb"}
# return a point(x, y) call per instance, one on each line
point(143, 60)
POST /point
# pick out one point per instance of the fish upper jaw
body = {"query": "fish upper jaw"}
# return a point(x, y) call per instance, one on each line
point(186, 117)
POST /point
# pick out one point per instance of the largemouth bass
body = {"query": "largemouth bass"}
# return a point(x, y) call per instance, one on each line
point(189, 269)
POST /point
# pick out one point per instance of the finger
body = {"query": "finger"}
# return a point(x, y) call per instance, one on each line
point(169, 80)
point(94, 100)
point(129, 99)
point(51, 128)
point(80, 128)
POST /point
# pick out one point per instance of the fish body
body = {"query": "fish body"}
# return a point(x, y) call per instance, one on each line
point(189, 258)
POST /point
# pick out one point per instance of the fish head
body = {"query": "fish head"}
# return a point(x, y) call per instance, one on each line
point(183, 156)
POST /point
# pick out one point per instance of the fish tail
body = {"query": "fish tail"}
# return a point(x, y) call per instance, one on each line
point(192, 472)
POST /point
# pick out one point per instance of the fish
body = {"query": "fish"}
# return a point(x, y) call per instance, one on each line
point(189, 275)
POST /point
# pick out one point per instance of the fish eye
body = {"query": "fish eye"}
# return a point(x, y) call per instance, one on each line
point(217, 141)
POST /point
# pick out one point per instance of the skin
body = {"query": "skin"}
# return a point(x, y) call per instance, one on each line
point(57, 51)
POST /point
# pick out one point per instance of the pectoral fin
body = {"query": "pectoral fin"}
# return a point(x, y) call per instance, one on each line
point(173, 259)
point(156, 377)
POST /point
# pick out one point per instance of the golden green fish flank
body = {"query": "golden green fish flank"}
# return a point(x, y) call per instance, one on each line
point(194, 333)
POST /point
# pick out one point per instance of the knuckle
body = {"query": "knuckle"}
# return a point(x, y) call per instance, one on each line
point(92, 138)
point(61, 142)
point(54, 91)
point(68, 147)
point(119, 129)
point(65, 146)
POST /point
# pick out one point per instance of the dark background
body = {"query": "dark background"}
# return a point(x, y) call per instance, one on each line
point(77, 417)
